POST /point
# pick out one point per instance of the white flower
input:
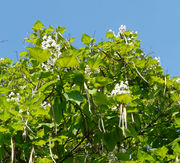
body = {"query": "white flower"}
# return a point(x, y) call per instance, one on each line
point(1, 59)
point(20, 111)
point(44, 37)
point(87, 70)
point(16, 99)
point(157, 59)
point(49, 37)
point(178, 80)
point(11, 94)
point(45, 104)
point(122, 29)
point(51, 61)
point(121, 88)
point(114, 108)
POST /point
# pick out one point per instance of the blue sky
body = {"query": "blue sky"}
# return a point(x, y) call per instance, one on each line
point(157, 23)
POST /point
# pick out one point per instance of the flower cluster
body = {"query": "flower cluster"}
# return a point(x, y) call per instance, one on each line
point(121, 88)
point(54, 48)
point(87, 70)
point(120, 34)
point(1, 59)
point(122, 29)
point(48, 42)
point(13, 97)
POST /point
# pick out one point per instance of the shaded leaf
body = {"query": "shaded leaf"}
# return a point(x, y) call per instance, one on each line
point(74, 96)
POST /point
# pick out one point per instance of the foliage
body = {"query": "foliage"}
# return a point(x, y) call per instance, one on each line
point(104, 102)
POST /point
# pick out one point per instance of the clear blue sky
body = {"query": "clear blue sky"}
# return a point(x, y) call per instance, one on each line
point(157, 23)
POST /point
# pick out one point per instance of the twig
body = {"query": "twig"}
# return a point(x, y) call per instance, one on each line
point(37, 85)
point(51, 150)
point(114, 60)
point(28, 126)
point(87, 93)
point(73, 149)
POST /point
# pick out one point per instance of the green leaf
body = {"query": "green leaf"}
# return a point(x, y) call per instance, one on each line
point(160, 152)
point(124, 98)
point(4, 129)
point(143, 156)
point(176, 148)
point(131, 131)
point(67, 61)
point(58, 106)
point(40, 133)
point(60, 29)
point(18, 126)
point(102, 81)
point(86, 39)
point(123, 156)
point(157, 80)
point(100, 98)
point(47, 85)
point(177, 121)
point(112, 138)
point(127, 33)
point(23, 54)
point(38, 25)
point(44, 160)
point(4, 90)
point(71, 40)
point(40, 142)
point(110, 35)
point(74, 96)
point(109, 141)
point(49, 30)
point(39, 54)
point(94, 62)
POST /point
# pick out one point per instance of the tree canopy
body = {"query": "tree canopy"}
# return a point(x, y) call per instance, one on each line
point(104, 102)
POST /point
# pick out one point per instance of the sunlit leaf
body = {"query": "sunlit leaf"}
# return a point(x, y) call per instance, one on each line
point(39, 54)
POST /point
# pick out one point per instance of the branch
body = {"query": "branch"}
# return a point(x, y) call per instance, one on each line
point(114, 60)
point(73, 149)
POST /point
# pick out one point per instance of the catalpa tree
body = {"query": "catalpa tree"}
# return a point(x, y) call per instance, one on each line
point(104, 102)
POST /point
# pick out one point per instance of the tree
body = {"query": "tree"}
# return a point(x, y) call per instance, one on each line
point(104, 102)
